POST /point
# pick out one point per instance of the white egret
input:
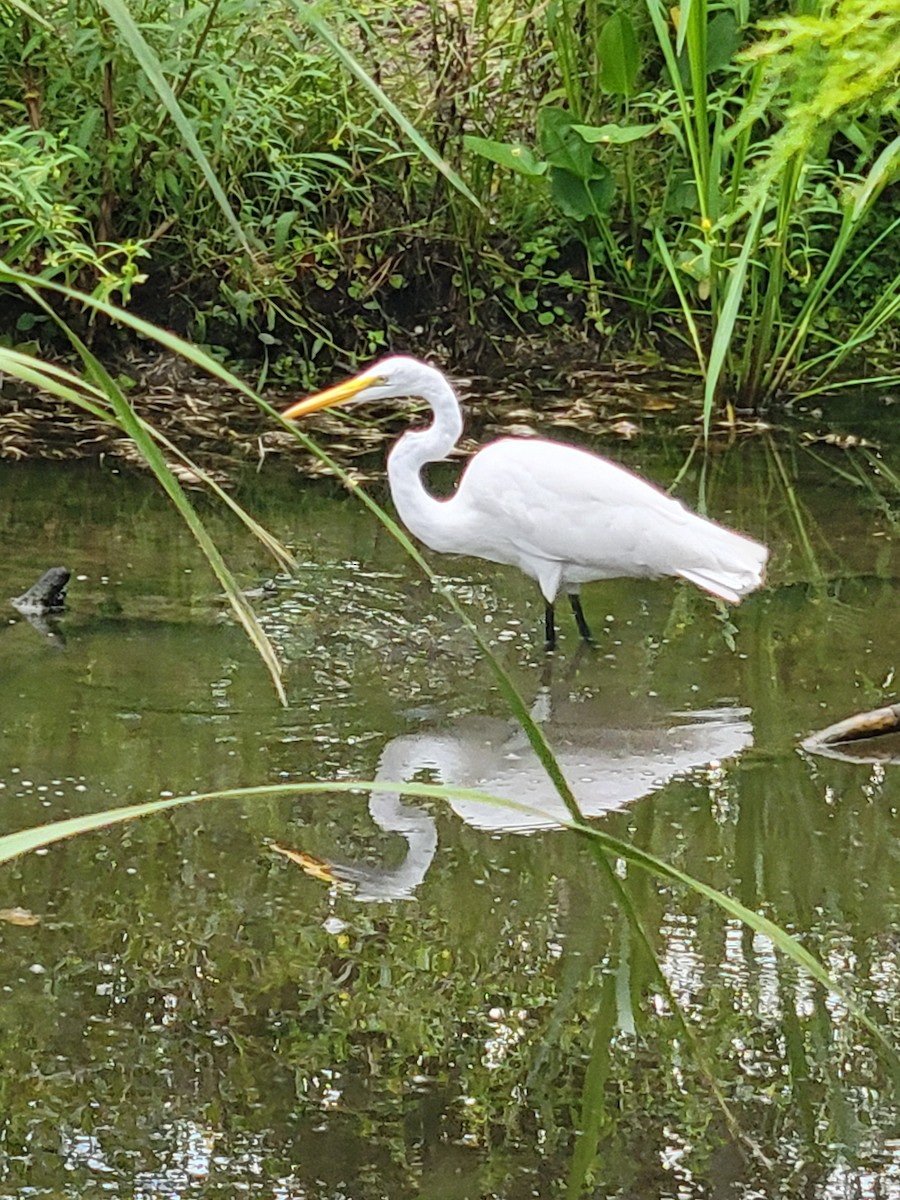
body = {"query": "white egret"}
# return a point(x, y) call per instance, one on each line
point(562, 515)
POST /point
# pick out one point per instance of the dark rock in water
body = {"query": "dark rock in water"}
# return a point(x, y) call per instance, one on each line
point(45, 596)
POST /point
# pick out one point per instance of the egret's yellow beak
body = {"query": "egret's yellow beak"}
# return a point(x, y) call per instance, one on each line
point(331, 396)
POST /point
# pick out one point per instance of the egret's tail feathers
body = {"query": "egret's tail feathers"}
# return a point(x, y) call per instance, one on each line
point(734, 566)
point(718, 586)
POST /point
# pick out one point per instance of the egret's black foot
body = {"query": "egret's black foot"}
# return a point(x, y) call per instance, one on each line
point(583, 628)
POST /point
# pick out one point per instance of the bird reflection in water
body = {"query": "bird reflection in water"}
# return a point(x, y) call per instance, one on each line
point(609, 759)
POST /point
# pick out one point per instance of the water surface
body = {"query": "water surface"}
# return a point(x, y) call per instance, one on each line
point(454, 999)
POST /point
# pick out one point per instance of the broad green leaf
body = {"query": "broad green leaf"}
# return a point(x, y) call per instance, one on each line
point(562, 147)
point(723, 40)
point(619, 56)
point(613, 135)
point(511, 155)
point(696, 262)
point(682, 198)
point(580, 198)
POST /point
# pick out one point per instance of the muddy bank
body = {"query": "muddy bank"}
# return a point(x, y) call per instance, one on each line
point(220, 427)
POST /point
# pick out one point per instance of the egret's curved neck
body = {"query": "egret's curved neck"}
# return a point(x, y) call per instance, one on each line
point(419, 511)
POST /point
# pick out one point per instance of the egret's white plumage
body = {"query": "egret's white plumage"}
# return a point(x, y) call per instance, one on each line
point(562, 515)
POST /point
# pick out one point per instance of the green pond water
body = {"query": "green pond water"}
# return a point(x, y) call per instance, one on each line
point(445, 1004)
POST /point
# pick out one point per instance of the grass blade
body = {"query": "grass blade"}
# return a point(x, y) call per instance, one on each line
point(728, 316)
point(668, 261)
point(120, 410)
point(150, 452)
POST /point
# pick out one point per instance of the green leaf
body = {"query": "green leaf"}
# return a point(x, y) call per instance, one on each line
point(281, 230)
point(884, 171)
point(682, 22)
point(512, 155)
point(674, 275)
point(31, 13)
point(580, 198)
point(563, 147)
point(102, 396)
point(13, 845)
point(619, 56)
point(613, 135)
point(728, 316)
point(723, 40)
point(24, 841)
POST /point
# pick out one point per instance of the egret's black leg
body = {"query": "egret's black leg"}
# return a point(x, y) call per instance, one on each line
point(549, 627)
point(583, 628)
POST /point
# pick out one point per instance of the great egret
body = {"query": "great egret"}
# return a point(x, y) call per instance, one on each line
point(562, 515)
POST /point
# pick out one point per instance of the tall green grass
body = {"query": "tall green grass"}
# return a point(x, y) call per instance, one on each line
point(297, 185)
point(780, 218)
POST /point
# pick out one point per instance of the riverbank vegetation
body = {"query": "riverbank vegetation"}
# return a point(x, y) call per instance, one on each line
point(713, 181)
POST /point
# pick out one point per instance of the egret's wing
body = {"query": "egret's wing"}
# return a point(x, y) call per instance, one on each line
point(558, 502)
point(547, 501)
